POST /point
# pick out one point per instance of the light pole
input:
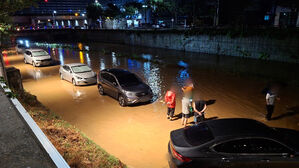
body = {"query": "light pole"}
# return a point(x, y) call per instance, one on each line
point(172, 20)
point(144, 7)
point(54, 22)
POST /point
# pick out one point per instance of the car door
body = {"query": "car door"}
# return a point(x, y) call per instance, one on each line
point(106, 83)
point(238, 153)
point(277, 155)
point(67, 73)
point(114, 87)
point(28, 57)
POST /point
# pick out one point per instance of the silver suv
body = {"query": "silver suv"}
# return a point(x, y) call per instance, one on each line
point(78, 74)
point(37, 57)
point(124, 86)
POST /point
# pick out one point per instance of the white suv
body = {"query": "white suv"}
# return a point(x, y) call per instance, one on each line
point(37, 57)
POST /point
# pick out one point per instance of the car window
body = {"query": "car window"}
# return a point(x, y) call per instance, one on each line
point(39, 53)
point(66, 68)
point(80, 69)
point(108, 77)
point(198, 135)
point(251, 146)
point(128, 80)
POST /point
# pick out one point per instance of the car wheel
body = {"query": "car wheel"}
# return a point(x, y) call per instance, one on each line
point(74, 82)
point(33, 64)
point(61, 77)
point(101, 90)
point(121, 101)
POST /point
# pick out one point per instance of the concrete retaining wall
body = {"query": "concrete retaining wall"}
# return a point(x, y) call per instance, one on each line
point(286, 50)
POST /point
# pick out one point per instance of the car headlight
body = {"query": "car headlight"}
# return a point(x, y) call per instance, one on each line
point(79, 78)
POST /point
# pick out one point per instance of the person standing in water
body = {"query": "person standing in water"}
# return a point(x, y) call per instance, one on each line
point(271, 96)
point(170, 101)
point(187, 98)
point(199, 108)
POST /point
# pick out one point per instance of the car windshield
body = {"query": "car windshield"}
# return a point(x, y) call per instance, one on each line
point(198, 135)
point(128, 80)
point(39, 53)
point(80, 69)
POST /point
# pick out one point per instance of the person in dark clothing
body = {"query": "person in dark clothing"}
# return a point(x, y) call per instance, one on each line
point(199, 108)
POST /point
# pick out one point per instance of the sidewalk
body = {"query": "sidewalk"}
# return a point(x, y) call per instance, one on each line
point(19, 147)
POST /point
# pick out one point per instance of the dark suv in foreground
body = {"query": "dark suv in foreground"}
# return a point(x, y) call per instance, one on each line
point(124, 86)
point(233, 143)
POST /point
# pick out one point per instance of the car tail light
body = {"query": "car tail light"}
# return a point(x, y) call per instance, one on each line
point(177, 155)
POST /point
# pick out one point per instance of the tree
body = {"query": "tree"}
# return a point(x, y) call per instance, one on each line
point(161, 8)
point(94, 11)
point(112, 11)
point(8, 8)
point(131, 8)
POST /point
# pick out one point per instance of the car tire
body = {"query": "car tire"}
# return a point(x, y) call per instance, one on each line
point(74, 82)
point(61, 77)
point(122, 100)
point(101, 90)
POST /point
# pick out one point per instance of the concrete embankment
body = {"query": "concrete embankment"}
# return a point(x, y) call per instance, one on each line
point(284, 49)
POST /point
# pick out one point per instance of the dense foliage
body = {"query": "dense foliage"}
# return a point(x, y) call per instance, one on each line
point(8, 8)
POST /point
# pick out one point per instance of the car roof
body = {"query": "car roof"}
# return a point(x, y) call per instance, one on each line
point(35, 49)
point(239, 127)
point(74, 64)
point(117, 72)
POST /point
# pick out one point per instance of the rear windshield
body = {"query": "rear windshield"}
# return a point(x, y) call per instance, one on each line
point(198, 135)
point(39, 53)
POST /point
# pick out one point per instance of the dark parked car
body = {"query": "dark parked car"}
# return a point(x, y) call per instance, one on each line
point(124, 86)
point(233, 143)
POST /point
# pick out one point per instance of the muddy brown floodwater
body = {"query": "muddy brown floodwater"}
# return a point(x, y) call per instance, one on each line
point(138, 135)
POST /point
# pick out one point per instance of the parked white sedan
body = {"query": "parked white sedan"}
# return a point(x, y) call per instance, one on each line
point(37, 57)
point(78, 74)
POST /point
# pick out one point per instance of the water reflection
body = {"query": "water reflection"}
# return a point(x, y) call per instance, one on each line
point(88, 59)
point(36, 73)
point(6, 61)
point(153, 78)
point(134, 65)
point(78, 94)
point(102, 64)
point(61, 56)
point(183, 74)
point(81, 57)
point(115, 63)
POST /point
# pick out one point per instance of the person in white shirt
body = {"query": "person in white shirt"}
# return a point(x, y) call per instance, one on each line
point(185, 111)
point(271, 96)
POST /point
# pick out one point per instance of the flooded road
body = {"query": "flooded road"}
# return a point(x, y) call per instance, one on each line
point(138, 135)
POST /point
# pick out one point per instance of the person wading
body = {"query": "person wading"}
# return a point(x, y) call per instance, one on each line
point(170, 101)
point(271, 96)
point(199, 108)
point(187, 98)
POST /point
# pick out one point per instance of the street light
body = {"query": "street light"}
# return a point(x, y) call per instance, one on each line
point(144, 6)
point(54, 12)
